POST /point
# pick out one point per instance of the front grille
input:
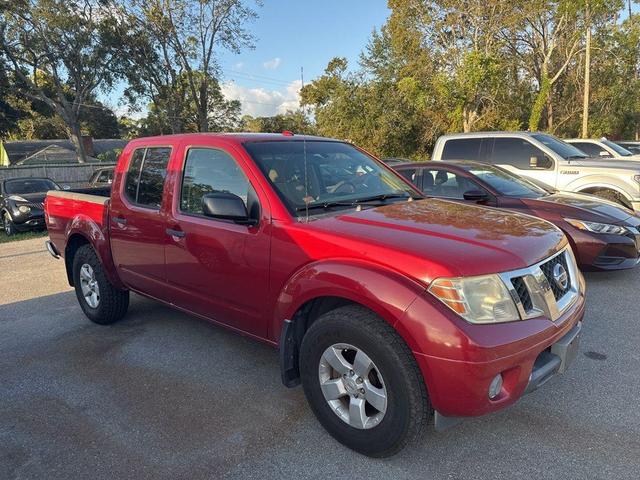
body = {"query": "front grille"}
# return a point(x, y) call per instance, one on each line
point(39, 206)
point(548, 267)
point(523, 293)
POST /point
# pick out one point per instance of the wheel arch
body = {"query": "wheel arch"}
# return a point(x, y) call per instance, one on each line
point(324, 286)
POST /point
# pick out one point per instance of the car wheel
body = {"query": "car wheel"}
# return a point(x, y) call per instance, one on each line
point(362, 382)
point(7, 223)
point(100, 301)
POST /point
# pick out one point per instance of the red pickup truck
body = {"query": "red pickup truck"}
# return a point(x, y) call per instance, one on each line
point(387, 307)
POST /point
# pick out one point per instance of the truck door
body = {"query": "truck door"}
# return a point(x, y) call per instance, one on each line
point(137, 229)
point(218, 268)
point(516, 154)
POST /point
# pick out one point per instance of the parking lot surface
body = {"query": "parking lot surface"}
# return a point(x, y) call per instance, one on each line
point(164, 395)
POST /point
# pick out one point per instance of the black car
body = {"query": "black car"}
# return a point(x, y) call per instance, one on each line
point(21, 203)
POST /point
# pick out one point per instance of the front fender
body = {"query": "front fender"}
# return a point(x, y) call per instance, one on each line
point(97, 236)
point(383, 291)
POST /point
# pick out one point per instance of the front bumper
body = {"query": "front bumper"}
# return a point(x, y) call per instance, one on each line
point(459, 387)
point(28, 221)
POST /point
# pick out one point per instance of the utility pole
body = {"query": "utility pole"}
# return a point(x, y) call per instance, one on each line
point(587, 74)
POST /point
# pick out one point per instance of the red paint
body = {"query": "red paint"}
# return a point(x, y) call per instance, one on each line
point(252, 278)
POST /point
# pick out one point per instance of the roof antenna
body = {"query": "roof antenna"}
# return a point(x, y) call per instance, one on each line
point(304, 152)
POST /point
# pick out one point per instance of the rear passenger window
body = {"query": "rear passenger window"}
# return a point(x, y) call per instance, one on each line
point(146, 174)
point(462, 149)
point(207, 170)
point(516, 152)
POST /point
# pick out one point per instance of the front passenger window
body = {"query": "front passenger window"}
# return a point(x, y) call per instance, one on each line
point(209, 170)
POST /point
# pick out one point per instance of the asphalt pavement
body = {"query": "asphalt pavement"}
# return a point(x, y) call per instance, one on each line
point(168, 396)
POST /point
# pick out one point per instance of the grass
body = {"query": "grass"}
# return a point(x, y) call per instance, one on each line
point(22, 236)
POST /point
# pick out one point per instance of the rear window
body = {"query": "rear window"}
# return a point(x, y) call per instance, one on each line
point(462, 149)
point(146, 174)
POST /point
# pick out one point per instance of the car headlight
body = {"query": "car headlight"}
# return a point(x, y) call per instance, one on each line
point(483, 299)
point(24, 209)
point(596, 227)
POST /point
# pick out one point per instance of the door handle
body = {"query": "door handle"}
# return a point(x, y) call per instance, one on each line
point(119, 220)
point(175, 233)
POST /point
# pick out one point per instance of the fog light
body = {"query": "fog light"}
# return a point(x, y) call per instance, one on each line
point(495, 386)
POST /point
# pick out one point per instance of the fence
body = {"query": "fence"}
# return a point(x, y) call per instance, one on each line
point(63, 174)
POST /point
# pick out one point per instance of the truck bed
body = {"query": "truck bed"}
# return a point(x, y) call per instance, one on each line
point(67, 211)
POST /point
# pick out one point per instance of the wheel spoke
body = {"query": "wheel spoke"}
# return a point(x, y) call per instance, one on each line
point(357, 415)
point(375, 396)
point(336, 360)
point(85, 288)
point(333, 389)
point(362, 364)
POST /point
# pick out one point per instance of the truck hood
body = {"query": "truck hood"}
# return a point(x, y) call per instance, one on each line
point(594, 162)
point(433, 238)
point(581, 207)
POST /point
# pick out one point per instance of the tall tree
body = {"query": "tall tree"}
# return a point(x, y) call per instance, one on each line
point(191, 32)
point(68, 42)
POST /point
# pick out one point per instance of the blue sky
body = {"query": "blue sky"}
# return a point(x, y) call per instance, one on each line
point(289, 35)
point(293, 34)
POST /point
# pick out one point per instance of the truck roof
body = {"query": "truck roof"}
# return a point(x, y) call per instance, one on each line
point(239, 138)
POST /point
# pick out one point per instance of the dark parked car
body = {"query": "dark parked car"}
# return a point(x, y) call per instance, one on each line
point(102, 177)
point(604, 235)
point(21, 202)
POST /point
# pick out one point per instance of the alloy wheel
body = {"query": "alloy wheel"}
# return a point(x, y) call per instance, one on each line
point(352, 386)
point(89, 285)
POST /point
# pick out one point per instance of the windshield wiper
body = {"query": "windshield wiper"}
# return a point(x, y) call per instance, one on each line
point(356, 202)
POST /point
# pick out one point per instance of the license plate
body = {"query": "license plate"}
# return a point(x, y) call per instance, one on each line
point(567, 347)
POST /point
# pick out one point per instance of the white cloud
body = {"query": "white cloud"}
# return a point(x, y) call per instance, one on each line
point(272, 64)
point(238, 66)
point(260, 102)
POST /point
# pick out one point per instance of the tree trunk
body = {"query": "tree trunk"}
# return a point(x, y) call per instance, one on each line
point(540, 102)
point(587, 75)
point(549, 113)
point(203, 107)
point(76, 139)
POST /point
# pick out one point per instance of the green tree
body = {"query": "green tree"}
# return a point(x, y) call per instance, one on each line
point(296, 122)
point(70, 43)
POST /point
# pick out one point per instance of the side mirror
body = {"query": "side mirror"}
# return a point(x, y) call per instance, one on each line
point(542, 162)
point(475, 195)
point(226, 206)
point(604, 153)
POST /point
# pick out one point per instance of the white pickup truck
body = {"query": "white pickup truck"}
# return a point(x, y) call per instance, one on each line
point(547, 159)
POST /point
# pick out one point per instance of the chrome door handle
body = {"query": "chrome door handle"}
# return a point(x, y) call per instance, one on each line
point(175, 233)
point(119, 220)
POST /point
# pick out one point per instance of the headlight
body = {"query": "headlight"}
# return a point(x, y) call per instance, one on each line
point(24, 209)
point(483, 299)
point(597, 227)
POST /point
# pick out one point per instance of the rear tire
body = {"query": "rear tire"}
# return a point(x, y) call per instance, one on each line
point(100, 301)
point(354, 332)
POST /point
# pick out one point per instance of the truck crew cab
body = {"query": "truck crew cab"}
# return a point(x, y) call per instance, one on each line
point(387, 307)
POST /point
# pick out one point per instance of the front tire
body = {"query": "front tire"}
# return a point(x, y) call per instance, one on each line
point(100, 301)
point(7, 223)
point(362, 382)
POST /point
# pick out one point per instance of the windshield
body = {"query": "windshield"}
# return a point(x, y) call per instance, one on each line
point(505, 183)
point(563, 149)
point(29, 185)
point(335, 172)
point(617, 148)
